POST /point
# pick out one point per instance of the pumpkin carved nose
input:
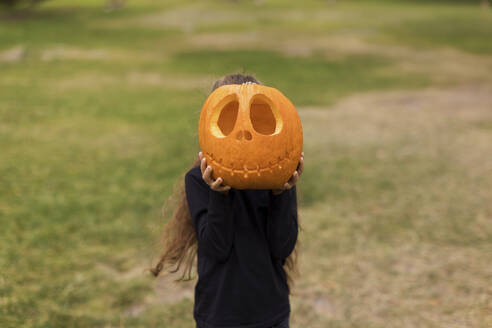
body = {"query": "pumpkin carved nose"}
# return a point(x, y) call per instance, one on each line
point(244, 134)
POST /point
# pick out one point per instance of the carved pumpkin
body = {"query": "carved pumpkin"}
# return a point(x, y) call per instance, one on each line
point(251, 135)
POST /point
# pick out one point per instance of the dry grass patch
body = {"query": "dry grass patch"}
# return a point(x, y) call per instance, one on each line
point(62, 52)
point(93, 81)
point(186, 19)
point(13, 54)
point(165, 291)
point(432, 120)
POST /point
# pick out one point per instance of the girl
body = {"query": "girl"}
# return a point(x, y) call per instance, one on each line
point(244, 241)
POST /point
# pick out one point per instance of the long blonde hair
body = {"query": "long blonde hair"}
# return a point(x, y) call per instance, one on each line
point(179, 237)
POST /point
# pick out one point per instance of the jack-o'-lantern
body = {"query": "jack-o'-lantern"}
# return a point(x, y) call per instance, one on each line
point(251, 135)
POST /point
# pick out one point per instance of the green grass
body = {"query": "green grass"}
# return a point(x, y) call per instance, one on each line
point(466, 30)
point(98, 120)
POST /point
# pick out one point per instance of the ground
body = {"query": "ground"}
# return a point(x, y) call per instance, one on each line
point(98, 123)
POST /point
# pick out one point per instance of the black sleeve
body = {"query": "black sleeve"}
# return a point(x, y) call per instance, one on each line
point(282, 227)
point(211, 213)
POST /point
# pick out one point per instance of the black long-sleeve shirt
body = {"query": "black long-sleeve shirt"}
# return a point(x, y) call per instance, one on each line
point(243, 240)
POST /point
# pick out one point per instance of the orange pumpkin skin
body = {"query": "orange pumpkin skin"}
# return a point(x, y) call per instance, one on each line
point(251, 135)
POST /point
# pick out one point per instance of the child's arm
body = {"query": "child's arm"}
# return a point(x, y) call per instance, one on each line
point(211, 213)
point(282, 226)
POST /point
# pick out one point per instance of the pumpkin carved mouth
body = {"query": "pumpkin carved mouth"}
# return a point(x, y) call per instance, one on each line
point(245, 171)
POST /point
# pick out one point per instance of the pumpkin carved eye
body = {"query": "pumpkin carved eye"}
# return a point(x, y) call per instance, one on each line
point(228, 116)
point(262, 116)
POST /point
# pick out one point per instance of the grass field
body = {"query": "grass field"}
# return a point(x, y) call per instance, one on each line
point(98, 120)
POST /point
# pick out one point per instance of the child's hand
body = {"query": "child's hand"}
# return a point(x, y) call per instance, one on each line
point(293, 179)
point(207, 177)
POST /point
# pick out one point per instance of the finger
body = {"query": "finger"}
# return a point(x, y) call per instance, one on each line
point(300, 166)
point(216, 184)
point(294, 178)
point(224, 188)
point(207, 175)
point(276, 191)
point(203, 165)
point(200, 155)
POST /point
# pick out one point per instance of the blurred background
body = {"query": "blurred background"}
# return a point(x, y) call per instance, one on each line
point(99, 106)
